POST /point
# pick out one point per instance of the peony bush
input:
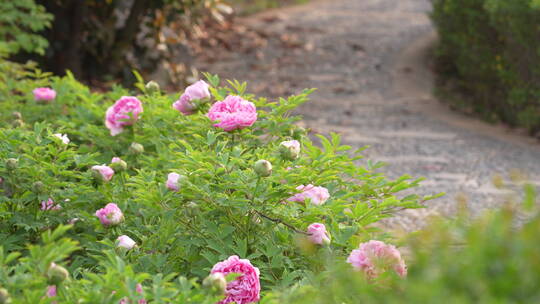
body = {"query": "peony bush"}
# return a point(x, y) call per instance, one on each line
point(134, 192)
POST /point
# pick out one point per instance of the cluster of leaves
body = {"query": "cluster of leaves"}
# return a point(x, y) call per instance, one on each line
point(223, 208)
point(19, 22)
point(489, 52)
point(490, 259)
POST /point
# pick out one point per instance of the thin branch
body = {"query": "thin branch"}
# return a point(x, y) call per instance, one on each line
point(277, 220)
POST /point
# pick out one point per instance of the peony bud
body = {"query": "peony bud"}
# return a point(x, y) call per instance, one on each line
point(152, 87)
point(263, 168)
point(38, 187)
point(12, 163)
point(289, 149)
point(57, 274)
point(102, 173)
point(18, 123)
point(118, 164)
point(126, 242)
point(16, 115)
point(136, 148)
point(298, 132)
point(216, 282)
point(4, 296)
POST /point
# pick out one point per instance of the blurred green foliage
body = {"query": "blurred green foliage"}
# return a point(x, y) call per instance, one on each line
point(245, 7)
point(489, 52)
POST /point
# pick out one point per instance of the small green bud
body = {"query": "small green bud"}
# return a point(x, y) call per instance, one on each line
point(18, 123)
point(118, 165)
point(216, 283)
point(152, 87)
point(57, 274)
point(136, 148)
point(4, 296)
point(12, 163)
point(38, 187)
point(16, 115)
point(298, 132)
point(192, 205)
point(263, 168)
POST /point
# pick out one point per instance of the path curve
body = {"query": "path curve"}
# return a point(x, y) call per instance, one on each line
point(368, 60)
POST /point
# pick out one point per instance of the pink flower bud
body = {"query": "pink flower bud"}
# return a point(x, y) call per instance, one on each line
point(110, 215)
point(290, 149)
point(104, 173)
point(44, 94)
point(198, 90)
point(126, 242)
point(318, 234)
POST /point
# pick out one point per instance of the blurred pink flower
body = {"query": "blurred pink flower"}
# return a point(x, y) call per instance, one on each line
point(233, 113)
point(124, 112)
point(172, 181)
point(245, 288)
point(63, 137)
point(44, 94)
point(116, 160)
point(110, 215)
point(376, 257)
point(317, 195)
point(198, 90)
point(51, 291)
point(50, 205)
point(318, 234)
point(106, 172)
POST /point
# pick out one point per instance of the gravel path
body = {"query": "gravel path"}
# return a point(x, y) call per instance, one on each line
point(368, 59)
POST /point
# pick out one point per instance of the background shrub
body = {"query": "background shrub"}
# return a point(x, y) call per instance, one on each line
point(490, 53)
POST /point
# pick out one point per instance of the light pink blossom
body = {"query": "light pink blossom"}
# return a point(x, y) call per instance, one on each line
point(124, 112)
point(116, 160)
point(110, 215)
point(198, 90)
point(172, 181)
point(245, 288)
point(126, 242)
point(106, 172)
point(44, 94)
point(50, 205)
point(317, 195)
point(318, 234)
point(51, 291)
point(63, 137)
point(233, 113)
point(375, 258)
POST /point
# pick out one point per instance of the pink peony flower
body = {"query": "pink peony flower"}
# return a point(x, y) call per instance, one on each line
point(317, 195)
point(50, 205)
point(116, 160)
point(63, 137)
point(233, 113)
point(172, 181)
point(198, 90)
point(245, 288)
point(110, 215)
point(44, 94)
point(126, 242)
point(124, 112)
point(106, 172)
point(318, 234)
point(375, 258)
point(51, 291)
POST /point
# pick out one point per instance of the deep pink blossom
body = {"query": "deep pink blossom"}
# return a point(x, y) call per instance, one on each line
point(106, 172)
point(233, 113)
point(110, 215)
point(124, 112)
point(318, 234)
point(198, 90)
point(50, 205)
point(44, 94)
point(245, 288)
point(317, 195)
point(376, 257)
